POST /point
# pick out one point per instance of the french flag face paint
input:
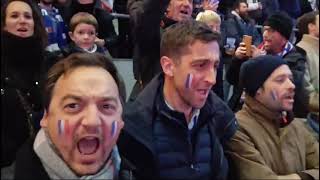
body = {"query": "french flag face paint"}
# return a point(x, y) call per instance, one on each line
point(114, 128)
point(63, 127)
point(274, 95)
point(189, 81)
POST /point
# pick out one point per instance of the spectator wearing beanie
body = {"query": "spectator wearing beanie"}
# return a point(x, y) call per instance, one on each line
point(270, 143)
point(276, 34)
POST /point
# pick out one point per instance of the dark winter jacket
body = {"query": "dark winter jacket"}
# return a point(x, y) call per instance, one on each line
point(235, 28)
point(21, 76)
point(145, 21)
point(153, 132)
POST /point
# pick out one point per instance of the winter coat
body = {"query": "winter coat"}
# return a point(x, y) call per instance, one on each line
point(311, 46)
point(145, 21)
point(261, 149)
point(21, 76)
point(234, 27)
point(148, 127)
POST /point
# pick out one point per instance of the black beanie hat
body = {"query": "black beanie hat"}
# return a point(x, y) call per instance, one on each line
point(255, 72)
point(281, 22)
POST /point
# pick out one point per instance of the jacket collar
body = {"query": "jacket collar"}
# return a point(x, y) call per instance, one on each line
point(265, 115)
point(313, 41)
point(141, 113)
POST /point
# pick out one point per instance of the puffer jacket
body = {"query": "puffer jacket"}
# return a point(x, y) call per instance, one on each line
point(146, 121)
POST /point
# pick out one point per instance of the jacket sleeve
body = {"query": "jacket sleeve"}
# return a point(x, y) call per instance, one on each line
point(312, 155)
point(246, 160)
point(233, 72)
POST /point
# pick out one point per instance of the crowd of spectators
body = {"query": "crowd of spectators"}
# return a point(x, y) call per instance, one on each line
point(209, 74)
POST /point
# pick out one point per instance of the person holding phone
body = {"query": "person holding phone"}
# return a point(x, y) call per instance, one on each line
point(276, 34)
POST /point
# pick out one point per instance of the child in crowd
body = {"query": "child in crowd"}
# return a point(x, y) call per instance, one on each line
point(83, 33)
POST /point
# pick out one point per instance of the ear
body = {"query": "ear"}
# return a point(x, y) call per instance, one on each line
point(71, 35)
point(259, 91)
point(44, 120)
point(167, 65)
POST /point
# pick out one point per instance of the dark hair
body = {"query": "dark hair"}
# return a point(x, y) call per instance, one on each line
point(237, 3)
point(305, 20)
point(178, 36)
point(72, 62)
point(39, 30)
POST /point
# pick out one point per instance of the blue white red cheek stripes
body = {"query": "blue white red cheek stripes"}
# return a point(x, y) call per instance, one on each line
point(274, 95)
point(188, 82)
point(114, 127)
point(63, 127)
point(60, 126)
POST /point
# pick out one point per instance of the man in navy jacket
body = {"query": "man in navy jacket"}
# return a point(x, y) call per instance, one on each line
point(177, 126)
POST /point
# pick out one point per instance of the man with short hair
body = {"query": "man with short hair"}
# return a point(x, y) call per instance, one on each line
point(81, 123)
point(176, 127)
point(270, 143)
point(238, 23)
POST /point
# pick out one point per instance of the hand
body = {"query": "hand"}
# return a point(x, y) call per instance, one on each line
point(210, 5)
point(257, 52)
point(99, 42)
point(241, 51)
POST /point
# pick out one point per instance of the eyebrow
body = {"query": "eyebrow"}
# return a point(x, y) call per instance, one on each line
point(284, 76)
point(200, 60)
point(78, 98)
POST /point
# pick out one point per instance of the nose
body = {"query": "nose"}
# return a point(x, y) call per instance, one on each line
point(91, 118)
point(186, 3)
point(290, 85)
point(22, 19)
point(210, 76)
point(86, 35)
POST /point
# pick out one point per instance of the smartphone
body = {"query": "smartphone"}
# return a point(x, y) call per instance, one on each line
point(248, 42)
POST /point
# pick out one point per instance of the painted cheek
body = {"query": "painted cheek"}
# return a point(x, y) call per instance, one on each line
point(274, 95)
point(188, 82)
point(63, 128)
point(114, 128)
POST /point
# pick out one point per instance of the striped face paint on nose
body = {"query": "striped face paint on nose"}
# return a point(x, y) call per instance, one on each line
point(188, 82)
point(114, 128)
point(63, 127)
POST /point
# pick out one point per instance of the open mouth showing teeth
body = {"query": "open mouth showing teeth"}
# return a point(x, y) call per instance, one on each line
point(202, 92)
point(22, 30)
point(88, 145)
point(184, 12)
point(289, 97)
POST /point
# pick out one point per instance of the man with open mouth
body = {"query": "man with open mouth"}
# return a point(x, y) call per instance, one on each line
point(81, 123)
point(177, 126)
point(271, 143)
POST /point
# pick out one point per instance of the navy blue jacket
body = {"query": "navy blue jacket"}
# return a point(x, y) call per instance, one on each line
point(146, 122)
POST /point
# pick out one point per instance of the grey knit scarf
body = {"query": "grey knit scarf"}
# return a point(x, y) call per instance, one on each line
point(58, 169)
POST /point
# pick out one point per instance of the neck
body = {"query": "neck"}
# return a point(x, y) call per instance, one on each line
point(172, 96)
point(45, 5)
point(280, 49)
